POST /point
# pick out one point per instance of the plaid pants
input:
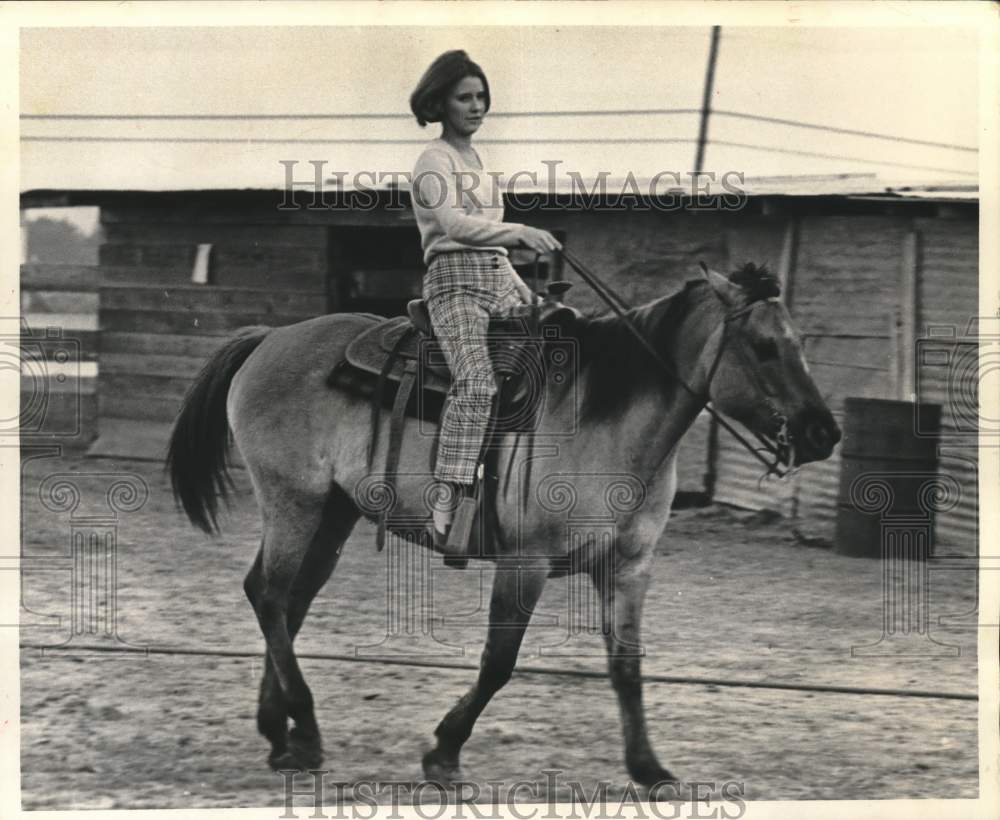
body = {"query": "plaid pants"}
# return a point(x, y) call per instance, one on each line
point(463, 290)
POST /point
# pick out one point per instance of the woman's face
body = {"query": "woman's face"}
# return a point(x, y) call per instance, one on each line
point(465, 107)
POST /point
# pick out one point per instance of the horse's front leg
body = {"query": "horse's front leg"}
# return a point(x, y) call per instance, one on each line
point(516, 590)
point(622, 590)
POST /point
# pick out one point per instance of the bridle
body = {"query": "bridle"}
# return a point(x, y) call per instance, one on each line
point(781, 449)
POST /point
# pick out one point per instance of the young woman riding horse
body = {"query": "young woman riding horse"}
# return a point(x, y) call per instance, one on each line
point(469, 279)
point(305, 447)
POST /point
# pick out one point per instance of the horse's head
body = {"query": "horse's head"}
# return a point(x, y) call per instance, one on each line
point(756, 371)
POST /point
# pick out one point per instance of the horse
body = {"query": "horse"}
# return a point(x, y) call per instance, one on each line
point(728, 340)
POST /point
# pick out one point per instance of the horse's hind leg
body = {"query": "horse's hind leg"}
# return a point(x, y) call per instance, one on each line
point(338, 520)
point(515, 592)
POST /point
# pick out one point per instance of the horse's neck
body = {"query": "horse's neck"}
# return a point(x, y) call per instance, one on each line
point(662, 425)
point(653, 426)
point(648, 431)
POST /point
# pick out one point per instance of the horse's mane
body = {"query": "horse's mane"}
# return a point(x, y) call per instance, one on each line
point(618, 366)
point(756, 281)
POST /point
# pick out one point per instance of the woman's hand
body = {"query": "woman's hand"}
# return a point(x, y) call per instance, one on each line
point(538, 240)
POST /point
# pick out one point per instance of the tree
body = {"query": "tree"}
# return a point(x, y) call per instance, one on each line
point(58, 242)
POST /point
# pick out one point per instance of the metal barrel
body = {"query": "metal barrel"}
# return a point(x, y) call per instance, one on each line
point(885, 468)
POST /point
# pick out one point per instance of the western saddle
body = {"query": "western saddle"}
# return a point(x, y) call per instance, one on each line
point(402, 352)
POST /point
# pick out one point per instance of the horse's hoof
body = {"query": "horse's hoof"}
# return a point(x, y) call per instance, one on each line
point(440, 770)
point(660, 780)
point(298, 760)
point(285, 760)
point(306, 747)
point(302, 752)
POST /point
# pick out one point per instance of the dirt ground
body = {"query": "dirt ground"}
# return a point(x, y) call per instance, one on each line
point(736, 597)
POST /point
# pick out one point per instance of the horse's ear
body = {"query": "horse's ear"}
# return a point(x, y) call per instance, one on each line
point(729, 293)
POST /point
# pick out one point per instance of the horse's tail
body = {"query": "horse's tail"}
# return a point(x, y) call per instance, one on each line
point(199, 443)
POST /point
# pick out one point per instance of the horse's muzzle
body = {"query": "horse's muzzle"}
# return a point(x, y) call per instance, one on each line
point(815, 435)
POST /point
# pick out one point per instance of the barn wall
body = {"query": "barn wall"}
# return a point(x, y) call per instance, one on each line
point(262, 256)
point(638, 253)
point(157, 327)
point(947, 361)
point(846, 294)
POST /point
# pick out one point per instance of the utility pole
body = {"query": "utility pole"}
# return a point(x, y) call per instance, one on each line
point(712, 456)
point(706, 100)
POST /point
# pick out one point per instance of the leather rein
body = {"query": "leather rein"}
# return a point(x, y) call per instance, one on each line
point(781, 449)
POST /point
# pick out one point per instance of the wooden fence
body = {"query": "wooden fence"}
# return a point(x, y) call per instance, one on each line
point(110, 359)
point(58, 354)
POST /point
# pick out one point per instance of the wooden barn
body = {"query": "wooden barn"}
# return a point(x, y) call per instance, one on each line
point(871, 276)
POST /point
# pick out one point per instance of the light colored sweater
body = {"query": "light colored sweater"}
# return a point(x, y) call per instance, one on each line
point(458, 206)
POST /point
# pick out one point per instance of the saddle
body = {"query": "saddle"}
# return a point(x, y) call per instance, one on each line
point(393, 346)
point(402, 352)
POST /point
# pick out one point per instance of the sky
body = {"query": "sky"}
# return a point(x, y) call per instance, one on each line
point(919, 83)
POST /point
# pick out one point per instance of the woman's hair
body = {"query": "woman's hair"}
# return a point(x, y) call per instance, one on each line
point(427, 99)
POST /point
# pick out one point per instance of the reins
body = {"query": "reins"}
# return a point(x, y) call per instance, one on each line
point(619, 306)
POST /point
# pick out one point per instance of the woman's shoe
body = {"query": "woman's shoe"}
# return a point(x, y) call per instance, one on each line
point(440, 541)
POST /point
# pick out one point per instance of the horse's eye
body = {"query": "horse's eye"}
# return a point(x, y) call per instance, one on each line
point(765, 349)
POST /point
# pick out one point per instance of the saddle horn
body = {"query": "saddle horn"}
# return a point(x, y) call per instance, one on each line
point(556, 289)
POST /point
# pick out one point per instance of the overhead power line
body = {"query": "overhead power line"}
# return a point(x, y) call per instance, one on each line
point(354, 115)
point(237, 140)
point(821, 155)
point(848, 131)
point(775, 149)
point(366, 140)
point(623, 112)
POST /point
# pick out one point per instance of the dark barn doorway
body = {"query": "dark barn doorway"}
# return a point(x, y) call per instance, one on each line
point(378, 269)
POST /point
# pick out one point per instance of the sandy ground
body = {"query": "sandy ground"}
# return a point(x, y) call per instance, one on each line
point(736, 597)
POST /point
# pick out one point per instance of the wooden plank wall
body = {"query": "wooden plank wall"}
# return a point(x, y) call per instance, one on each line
point(260, 256)
point(154, 339)
point(157, 327)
